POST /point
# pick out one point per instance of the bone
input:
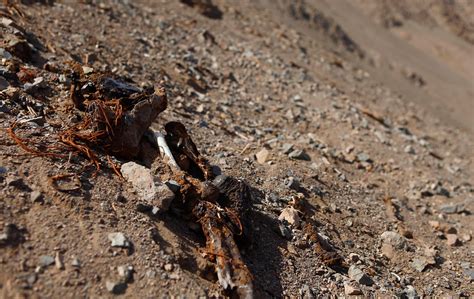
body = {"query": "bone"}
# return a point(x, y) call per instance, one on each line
point(159, 140)
point(232, 273)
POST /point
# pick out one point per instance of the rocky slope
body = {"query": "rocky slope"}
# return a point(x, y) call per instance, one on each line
point(354, 187)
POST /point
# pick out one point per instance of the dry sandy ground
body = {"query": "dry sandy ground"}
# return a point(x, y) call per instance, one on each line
point(353, 134)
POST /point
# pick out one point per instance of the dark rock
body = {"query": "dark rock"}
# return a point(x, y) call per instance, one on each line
point(12, 235)
point(216, 170)
point(292, 183)
point(285, 231)
point(116, 287)
point(356, 274)
point(3, 83)
point(143, 208)
point(21, 49)
point(173, 185)
point(299, 155)
point(117, 89)
point(17, 182)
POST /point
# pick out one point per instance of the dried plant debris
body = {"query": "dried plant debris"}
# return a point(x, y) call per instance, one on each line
point(113, 118)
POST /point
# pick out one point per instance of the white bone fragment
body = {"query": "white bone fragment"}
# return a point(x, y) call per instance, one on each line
point(159, 139)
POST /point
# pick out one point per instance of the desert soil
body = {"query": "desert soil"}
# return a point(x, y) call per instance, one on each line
point(351, 123)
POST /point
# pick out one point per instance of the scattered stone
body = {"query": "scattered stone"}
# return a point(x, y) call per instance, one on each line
point(173, 185)
point(285, 231)
point(143, 208)
point(36, 196)
point(419, 264)
point(17, 182)
point(46, 260)
point(141, 179)
point(150, 274)
point(450, 230)
point(216, 170)
point(438, 188)
point(200, 108)
point(38, 82)
point(126, 272)
point(87, 70)
point(20, 48)
point(409, 150)
point(468, 271)
point(356, 274)
point(3, 83)
point(395, 239)
point(306, 292)
point(434, 224)
point(351, 289)
point(290, 215)
point(262, 156)
point(410, 292)
point(31, 278)
point(116, 287)
point(155, 210)
point(12, 235)
point(292, 183)
point(164, 198)
point(387, 251)
point(169, 267)
point(363, 157)
point(5, 54)
point(452, 240)
point(150, 189)
point(299, 155)
point(120, 198)
point(466, 237)
point(58, 260)
point(325, 242)
point(119, 240)
point(287, 148)
point(76, 263)
point(354, 257)
point(63, 79)
point(452, 208)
